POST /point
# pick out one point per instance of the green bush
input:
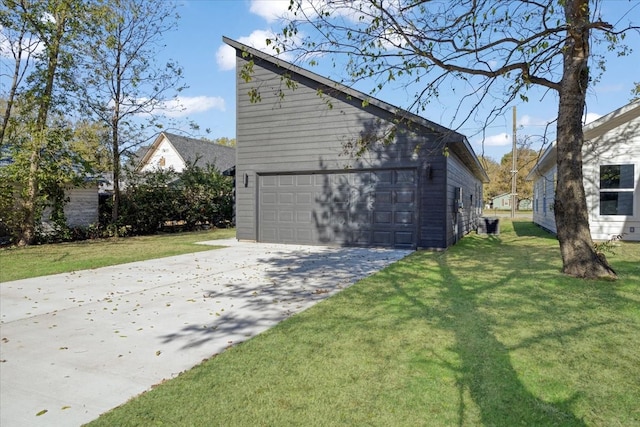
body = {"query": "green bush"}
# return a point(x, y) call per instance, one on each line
point(206, 197)
point(163, 200)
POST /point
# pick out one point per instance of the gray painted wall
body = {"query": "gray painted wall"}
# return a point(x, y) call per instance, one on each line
point(461, 221)
point(297, 130)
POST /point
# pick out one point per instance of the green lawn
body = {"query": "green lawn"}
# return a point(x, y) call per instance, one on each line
point(486, 333)
point(34, 261)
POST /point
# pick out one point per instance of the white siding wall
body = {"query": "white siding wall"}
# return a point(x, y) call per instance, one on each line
point(543, 198)
point(82, 208)
point(619, 146)
point(171, 158)
point(80, 211)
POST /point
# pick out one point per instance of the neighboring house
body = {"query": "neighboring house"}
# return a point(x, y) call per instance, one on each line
point(297, 182)
point(170, 151)
point(525, 204)
point(611, 169)
point(503, 202)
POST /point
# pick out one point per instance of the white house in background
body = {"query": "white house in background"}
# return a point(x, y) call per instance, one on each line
point(170, 151)
point(611, 169)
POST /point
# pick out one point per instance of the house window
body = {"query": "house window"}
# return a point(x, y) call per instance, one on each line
point(616, 189)
point(162, 162)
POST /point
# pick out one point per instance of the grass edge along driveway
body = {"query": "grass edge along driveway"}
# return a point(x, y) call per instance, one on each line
point(41, 260)
point(486, 333)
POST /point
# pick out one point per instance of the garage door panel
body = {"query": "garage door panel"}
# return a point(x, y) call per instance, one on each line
point(405, 176)
point(269, 198)
point(404, 217)
point(285, 198)
point(381, 217)
point(286, 180)
point(383, 197)
point(404, 238)
point(304, 198)
point(405, 196)
point(269, 181)
point(304, 180)
point(384, 177)
point(382, 238)
point(348, 208)
point(268, 215)
point(303, 217)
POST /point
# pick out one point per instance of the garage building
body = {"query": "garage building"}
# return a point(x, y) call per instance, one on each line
point(303, 176)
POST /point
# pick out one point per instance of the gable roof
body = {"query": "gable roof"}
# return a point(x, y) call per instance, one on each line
point(592, 130)
point(457, 142)
point(195, 151)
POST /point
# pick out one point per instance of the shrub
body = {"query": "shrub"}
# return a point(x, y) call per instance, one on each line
point(195, 198)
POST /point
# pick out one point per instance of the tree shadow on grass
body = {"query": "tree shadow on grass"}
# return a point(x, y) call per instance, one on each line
point(282, 284)
point(529, 229)
point(487, 372)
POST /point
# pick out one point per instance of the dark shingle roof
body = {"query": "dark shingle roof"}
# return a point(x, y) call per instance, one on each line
point(203, 152)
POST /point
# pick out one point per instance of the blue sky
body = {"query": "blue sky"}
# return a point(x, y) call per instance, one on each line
point(209, 71)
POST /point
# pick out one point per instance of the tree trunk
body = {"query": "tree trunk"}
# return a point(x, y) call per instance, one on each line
point(579, 257)
point(29, 204)
point(115, 209)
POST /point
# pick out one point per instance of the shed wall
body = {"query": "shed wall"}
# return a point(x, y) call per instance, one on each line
point(81, 210)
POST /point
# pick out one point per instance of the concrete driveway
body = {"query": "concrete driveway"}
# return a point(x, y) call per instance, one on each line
point(78, 344)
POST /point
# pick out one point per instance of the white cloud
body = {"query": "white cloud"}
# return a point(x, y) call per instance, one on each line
point(30, 46)
point(186, 105)
point(498, 140)
point(277, 10)
point(226, 55)
point(590, 117)
point(271, 10)
point(527, 120)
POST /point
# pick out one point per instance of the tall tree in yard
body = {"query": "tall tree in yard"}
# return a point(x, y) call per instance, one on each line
point(122, 85)
point(44, 30)
point(499, 48)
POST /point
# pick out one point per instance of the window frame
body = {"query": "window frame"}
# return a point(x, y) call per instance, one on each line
point(621, 188)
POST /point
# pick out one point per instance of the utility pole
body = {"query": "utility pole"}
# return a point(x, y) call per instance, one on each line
point(514, 171)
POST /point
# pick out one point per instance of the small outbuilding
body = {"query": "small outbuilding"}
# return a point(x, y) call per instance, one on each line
point(80, 207)
point(320, 163)
point(611, 169)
